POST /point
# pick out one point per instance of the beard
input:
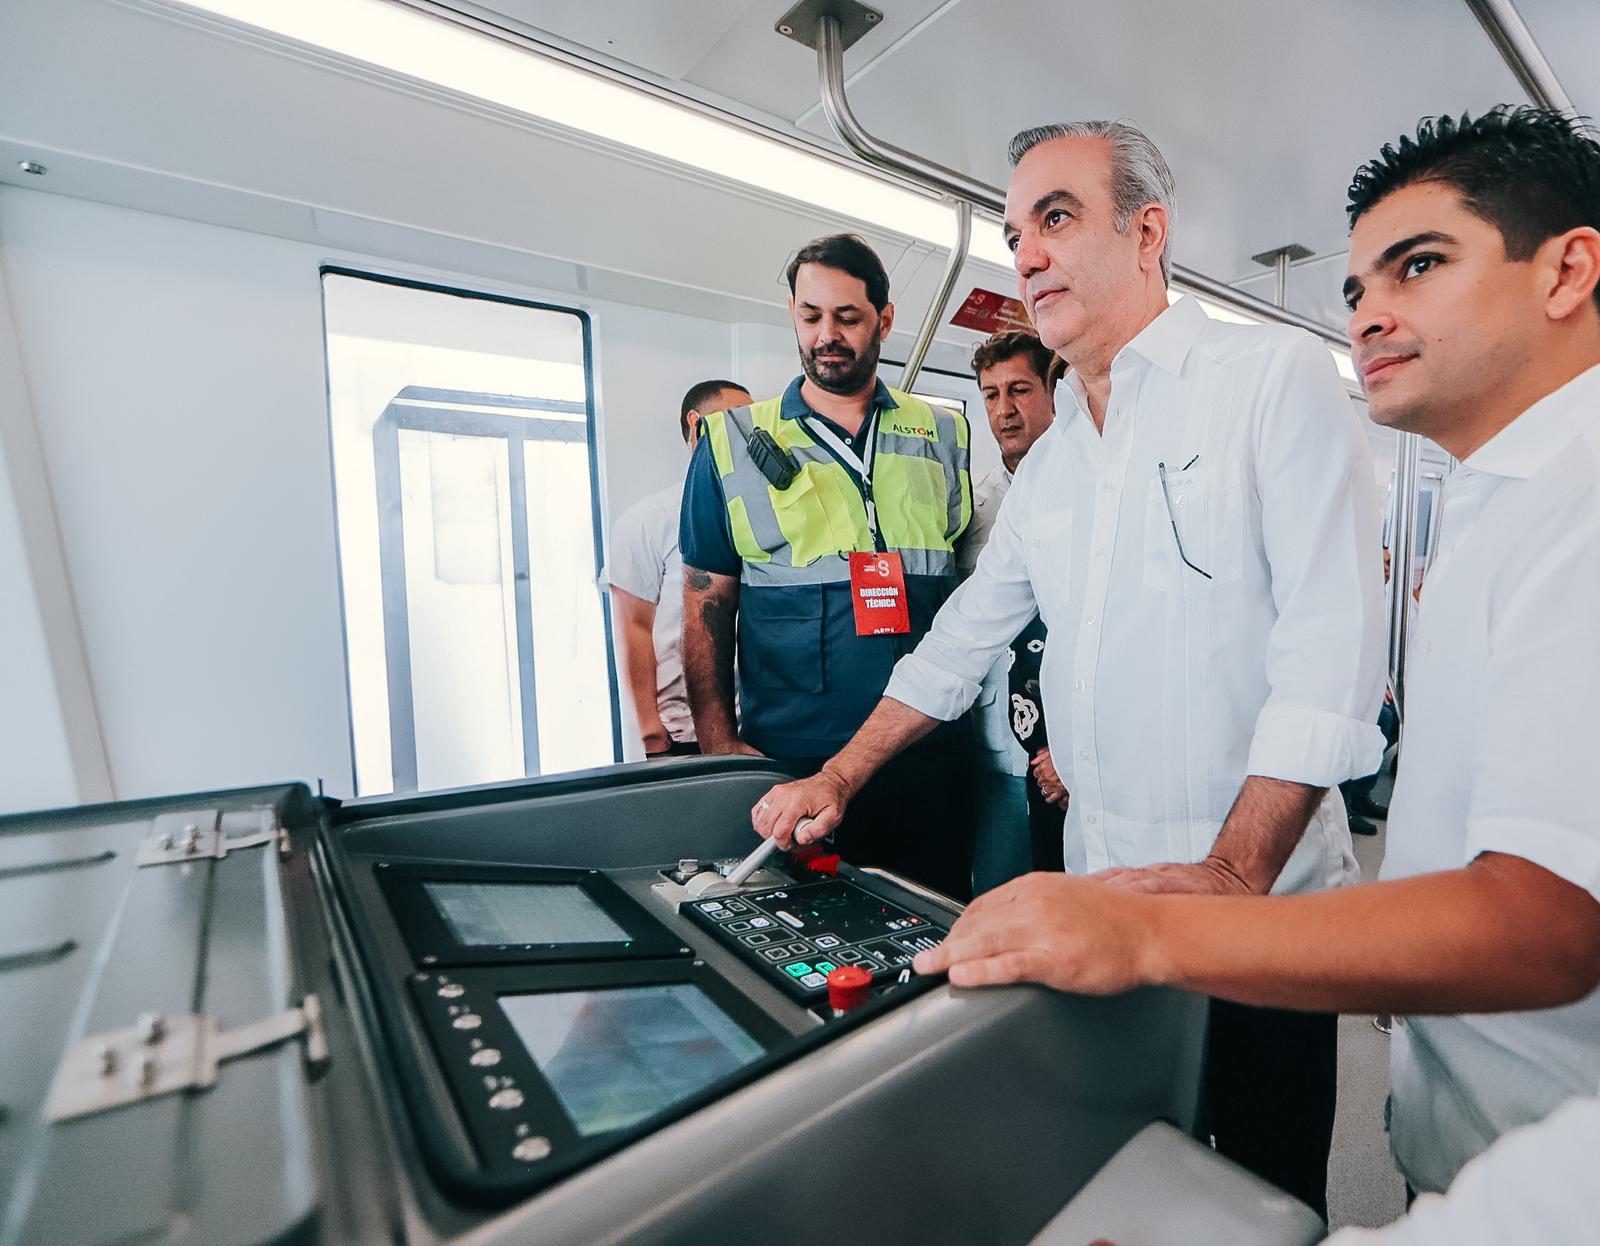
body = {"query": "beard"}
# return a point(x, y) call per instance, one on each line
point(846, 372)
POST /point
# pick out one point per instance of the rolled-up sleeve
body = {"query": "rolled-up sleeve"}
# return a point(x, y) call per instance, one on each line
point(1321, 533)
point(942, 676)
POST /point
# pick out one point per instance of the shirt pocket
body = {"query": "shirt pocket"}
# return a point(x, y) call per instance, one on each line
point(1207, 507)
point(1047, 551)
point(780, 639)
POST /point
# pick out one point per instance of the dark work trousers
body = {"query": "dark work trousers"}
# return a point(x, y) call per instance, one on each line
point(1046, 825)
point(915, 817)
point(1269, 1096)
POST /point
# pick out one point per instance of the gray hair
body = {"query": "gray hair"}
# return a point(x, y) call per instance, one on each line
point(1139, 172)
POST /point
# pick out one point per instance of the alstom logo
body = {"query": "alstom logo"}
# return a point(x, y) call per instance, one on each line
point(915, 430)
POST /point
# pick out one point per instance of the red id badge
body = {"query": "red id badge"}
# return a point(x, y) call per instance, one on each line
point(878, 588)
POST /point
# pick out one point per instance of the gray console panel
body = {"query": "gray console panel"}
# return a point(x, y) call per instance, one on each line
point(956, 1117)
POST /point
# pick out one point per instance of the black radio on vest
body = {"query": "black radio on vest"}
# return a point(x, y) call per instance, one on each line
point(776, 463)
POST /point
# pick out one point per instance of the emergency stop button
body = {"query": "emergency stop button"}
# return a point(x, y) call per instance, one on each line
point(849, 986)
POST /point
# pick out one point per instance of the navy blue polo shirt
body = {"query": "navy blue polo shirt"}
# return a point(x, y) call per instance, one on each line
point(806, 680)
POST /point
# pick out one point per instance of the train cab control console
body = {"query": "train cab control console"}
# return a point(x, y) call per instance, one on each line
point(563, 1011)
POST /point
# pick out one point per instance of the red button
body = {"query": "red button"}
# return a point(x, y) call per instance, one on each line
point(849, 986)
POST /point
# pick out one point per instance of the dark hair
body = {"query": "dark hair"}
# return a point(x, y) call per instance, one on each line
point(703, 392)
point(1532, 173)
point(1010, 344)
point(849, 253)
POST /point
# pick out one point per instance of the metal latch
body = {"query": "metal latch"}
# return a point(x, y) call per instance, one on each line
point(160, 1055)
point(202, 835)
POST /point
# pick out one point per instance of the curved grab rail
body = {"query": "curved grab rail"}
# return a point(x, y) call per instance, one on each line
point(947, 181)
point(941, 300)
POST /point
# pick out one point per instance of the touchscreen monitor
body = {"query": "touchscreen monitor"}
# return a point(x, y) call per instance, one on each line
point(614, 1057)
point(491, 913)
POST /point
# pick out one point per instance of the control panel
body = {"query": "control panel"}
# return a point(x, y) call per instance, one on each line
point(795, 936)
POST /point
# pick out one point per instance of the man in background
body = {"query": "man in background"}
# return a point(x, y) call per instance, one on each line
point(1015, 373)
point(819, 534)
point(646, 575)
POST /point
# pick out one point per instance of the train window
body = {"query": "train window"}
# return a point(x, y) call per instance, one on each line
point(465, 486)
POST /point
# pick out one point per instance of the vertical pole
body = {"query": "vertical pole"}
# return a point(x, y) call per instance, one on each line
point(1280, 272)
point(1402, 551)
point(941, 298)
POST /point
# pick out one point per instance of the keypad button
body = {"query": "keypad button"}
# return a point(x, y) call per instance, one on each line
point(775, 954)
point(797, 970)
point(531, 1149)
point(506, 1100)
point(738, 927)
point(452, 990)
point(813, 980)
point(755, 940)
point(485, 1058)
point(760, 923)
point(467, 1021)
point(827, 941)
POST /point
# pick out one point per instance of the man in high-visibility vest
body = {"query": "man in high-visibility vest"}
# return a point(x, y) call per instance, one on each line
point(824, 523)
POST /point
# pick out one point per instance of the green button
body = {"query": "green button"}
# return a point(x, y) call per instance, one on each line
point(797, 970)
point(826, 966)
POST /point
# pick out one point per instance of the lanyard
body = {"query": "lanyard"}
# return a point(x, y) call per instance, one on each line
point(861, 462)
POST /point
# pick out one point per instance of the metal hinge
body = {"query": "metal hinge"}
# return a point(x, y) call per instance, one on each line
point(161, 1055)
point(202, 835)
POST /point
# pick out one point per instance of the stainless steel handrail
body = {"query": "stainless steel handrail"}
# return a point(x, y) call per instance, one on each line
point(1521, 53)
point(1402, 553)
point(947, 181)
point(941, 300)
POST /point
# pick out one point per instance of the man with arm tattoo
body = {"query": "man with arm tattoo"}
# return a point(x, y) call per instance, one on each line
point(818, 535)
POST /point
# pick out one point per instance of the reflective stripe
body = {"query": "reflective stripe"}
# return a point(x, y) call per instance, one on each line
point(744, 536)
point(836, 569)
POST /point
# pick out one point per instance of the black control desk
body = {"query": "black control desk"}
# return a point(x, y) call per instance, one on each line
point(796, 935)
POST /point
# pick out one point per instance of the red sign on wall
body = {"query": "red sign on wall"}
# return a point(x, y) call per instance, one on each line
point(988, 312)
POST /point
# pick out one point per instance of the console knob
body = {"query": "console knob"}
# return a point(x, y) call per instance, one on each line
point(849, 986)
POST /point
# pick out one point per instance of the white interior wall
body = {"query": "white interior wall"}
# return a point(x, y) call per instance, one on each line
point(176, 372)
point(50, 748)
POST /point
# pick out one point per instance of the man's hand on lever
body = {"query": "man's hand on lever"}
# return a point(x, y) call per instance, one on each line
point(821, 799)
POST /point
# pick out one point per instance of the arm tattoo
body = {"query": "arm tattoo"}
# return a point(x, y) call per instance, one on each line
point(718, 618)
point(697, 579)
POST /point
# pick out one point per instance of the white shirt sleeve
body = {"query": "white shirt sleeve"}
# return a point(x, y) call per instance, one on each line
point(1536, 1184)
point(1320, 528)
point(942, 676)
point(1537, 719)
point(637, 560)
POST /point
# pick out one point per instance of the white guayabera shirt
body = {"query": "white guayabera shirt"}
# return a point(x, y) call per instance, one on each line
point(1502, 739)
point(1165, 687)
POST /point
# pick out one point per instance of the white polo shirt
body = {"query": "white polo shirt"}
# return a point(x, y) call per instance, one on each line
point(1164, 688)
point(1502, 740)
point(645, 562)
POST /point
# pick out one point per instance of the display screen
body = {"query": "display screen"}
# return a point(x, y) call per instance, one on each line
point(614, 1057)
point(494, 913)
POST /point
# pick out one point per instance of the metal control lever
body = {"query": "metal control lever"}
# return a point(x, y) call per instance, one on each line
point(758, 858)
point(711, 883)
